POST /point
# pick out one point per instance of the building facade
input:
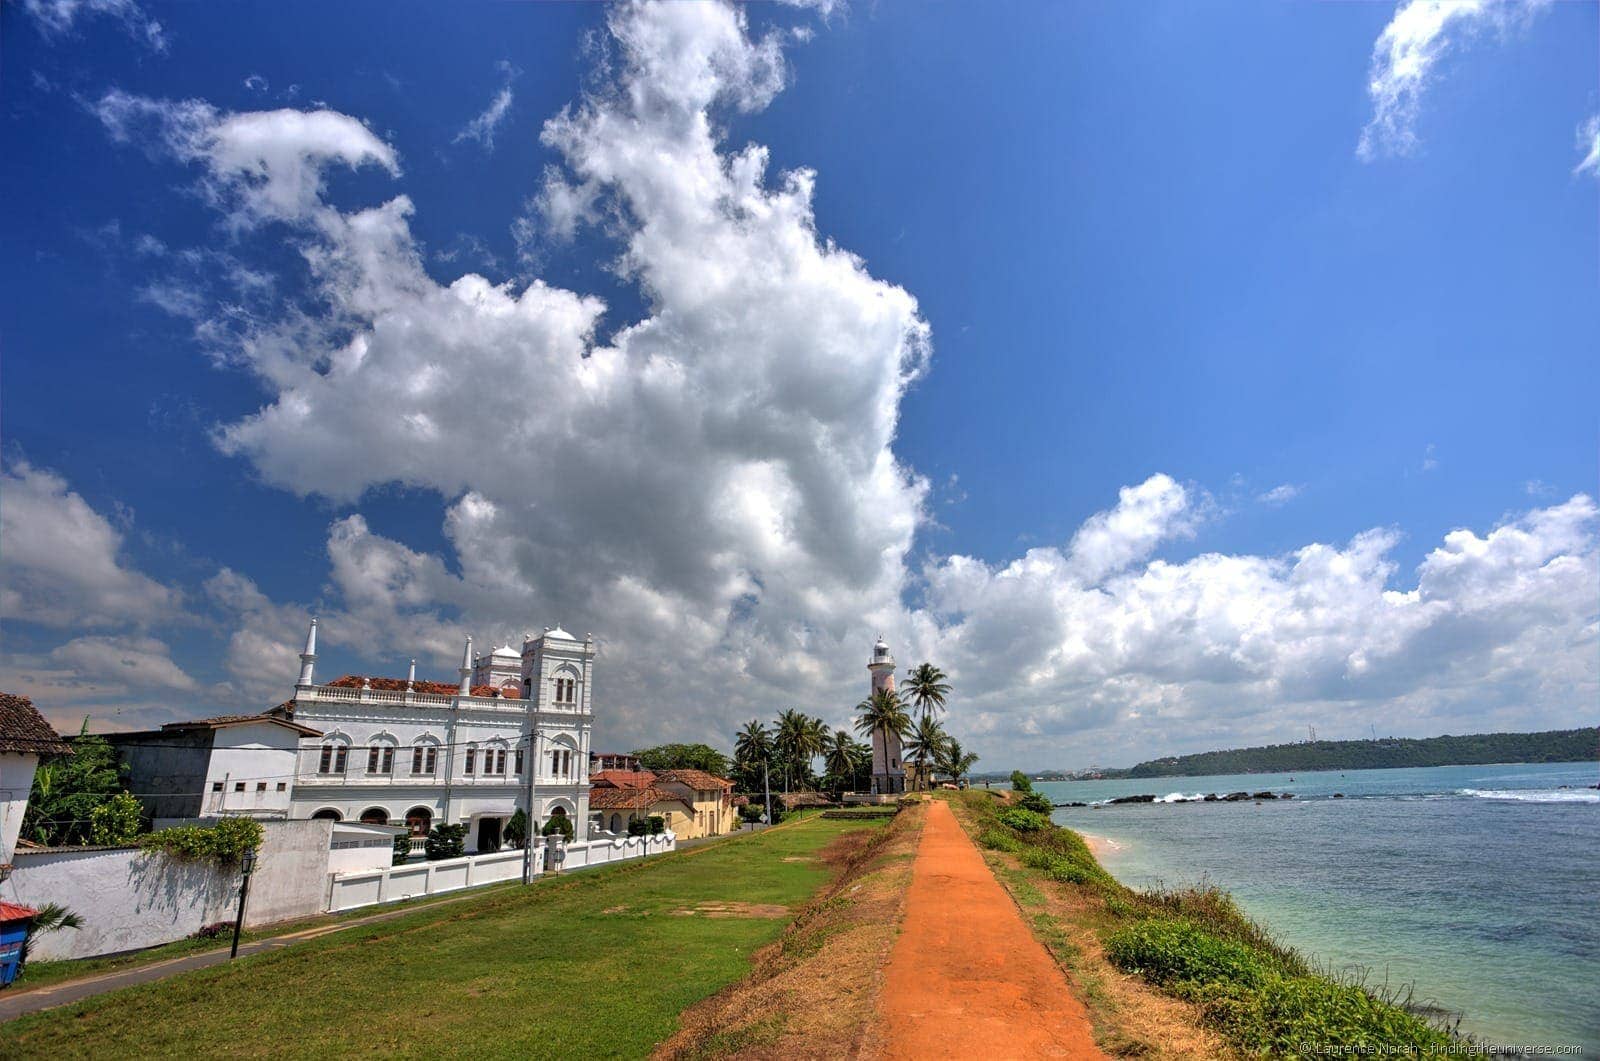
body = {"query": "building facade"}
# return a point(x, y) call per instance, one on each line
point(888, 765)
point(25, 739)
point(512, 733)
point(238, 765)
point(691, 803)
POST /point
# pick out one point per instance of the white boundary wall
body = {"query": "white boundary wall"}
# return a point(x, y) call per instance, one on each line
point(348, 891)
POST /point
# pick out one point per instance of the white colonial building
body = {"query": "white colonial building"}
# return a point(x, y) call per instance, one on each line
point(512, 733)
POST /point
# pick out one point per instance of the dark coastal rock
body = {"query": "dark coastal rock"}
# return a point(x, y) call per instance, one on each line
point(1212, 797)
point(1338, 795)
point(1265, 795)
point(1287, 795)
point(1133, 799)
point(1074, 804)
point(1235, 797)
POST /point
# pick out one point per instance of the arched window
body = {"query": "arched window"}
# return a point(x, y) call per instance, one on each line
point(616, 823)
point(326, 814)
point(333, 757)
point(374, 816)
point(380, 755)
point(419, 820)
point(425, 756)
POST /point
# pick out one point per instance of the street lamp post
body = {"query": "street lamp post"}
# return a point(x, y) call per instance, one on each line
point(247, 863)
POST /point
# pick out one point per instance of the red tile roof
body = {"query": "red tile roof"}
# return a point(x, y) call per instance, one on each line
point(14, 912)
point(398, 685)
point(631, 798)
point(23, 729)
point(621, 778)
point(698, 780)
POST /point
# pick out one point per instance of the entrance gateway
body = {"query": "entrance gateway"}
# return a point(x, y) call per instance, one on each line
point(488, 835)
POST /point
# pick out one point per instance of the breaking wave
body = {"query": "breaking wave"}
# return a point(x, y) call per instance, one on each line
point(1547, 795)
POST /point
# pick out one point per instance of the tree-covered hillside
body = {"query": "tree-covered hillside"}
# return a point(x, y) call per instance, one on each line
point(1553, 746)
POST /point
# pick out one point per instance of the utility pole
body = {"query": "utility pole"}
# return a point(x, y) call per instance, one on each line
point(766, 783)
point(532, 769)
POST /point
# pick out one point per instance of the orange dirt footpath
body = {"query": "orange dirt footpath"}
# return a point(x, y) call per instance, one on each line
point(966, 976)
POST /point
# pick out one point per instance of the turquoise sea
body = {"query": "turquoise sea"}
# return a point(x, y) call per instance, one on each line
point(1479, 886)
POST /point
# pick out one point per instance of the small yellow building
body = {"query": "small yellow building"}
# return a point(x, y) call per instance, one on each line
point(692, 803)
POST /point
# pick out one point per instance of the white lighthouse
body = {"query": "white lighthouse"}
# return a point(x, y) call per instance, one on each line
point(888, 770)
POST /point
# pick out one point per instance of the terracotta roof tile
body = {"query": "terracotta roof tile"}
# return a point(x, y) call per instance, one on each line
point(15, 912)
point(631, 798)
point(23, 729)
point(398, 685)
point(698, 780)
point(621, 778)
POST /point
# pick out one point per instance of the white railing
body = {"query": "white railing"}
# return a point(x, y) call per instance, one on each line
point(349, 694)
point(347, 891)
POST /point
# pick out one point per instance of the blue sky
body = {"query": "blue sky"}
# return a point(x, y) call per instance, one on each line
point(1178, 373)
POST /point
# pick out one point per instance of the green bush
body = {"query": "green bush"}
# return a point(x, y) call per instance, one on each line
point(1020, 782)
point(638, 827)
point(1023, 821)
point(1302, 1016)
point(1038, 804)
point(1168, 951)
point(559, 823)
point(402, 849)
point(516, 830)
point(995, 840)
point(223, 842)
point(658, 825)
point(446, 841)
point(116, 821)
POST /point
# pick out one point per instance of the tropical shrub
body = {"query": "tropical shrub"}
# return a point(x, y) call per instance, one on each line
point(1020, 782)
point(516, 830)
point(224, 842)
point(50, 918)
point(995, 840)
point(1023, 821)
point(1168, 951)
point(67, 790)
point(1038, 804)
point(658, 825)
point(559, 823)
point(446, 841)
point(402, 849)
point(638, 827)
point(116, 821)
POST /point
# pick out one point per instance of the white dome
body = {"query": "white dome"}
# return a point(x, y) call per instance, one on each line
point(558, 632)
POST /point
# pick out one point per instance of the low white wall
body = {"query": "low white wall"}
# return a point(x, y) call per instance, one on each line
point(291, 874)
point(128, 899)
point(347, 891)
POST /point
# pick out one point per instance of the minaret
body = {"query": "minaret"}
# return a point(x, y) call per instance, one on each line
point(308, 658)
point(466, 669)
point(888, 767)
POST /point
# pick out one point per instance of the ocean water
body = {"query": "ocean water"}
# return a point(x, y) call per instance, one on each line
point(1477, 886)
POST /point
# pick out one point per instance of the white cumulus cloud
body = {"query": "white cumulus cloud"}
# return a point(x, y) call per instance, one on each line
point(712, 488)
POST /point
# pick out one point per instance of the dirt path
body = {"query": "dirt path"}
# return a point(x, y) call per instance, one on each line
point(966, 976)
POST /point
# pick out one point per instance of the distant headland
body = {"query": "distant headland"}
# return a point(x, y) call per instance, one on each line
point(1550, 746)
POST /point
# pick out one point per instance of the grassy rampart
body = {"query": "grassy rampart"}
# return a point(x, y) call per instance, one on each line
point(1196, 945)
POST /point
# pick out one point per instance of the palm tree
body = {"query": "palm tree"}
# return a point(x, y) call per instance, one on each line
point(839, 758)
point(926, 688)
point(753, 744)
point(927, 741)
point(956, 760)
point(882, 712)
point(797, 741)
point(51, 916)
